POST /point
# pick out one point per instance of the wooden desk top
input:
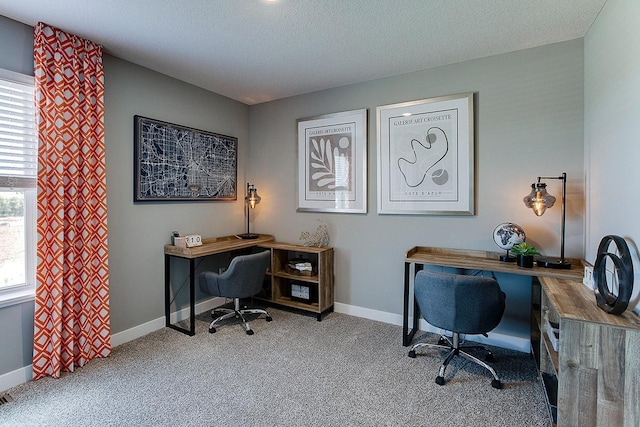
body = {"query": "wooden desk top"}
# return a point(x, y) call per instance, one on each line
point(568, 295)
point(485, 260)
point(216, 245)
point(572, 300)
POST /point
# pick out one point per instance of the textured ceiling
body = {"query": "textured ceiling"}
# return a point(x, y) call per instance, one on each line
point(256, 51)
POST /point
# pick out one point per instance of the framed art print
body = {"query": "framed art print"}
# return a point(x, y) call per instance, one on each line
point(178, 163)
point(332, 163)
point(426, 156)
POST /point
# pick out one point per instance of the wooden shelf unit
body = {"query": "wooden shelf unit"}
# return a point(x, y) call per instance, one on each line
point(320, 281)
point(596, 367)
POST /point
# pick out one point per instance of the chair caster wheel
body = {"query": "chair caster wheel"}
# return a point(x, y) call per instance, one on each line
point(442, 341)
point(439, 380)
point(496, 384)
point(250, 332)
point(489, 358)
point(212, 330)
point(269, 318)
point(412, 354)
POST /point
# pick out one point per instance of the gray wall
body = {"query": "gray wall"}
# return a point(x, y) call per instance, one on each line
point(529, 109)
point(16, 46)
point(612, 108)
point(16, 333)
point(137, 232)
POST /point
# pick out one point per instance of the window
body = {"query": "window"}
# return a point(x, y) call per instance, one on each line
point(18, 173)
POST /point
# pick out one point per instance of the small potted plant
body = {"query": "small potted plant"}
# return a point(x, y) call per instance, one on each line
point(525, 253)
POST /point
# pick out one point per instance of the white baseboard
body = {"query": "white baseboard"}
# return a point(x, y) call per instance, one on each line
point(159, 323)
point(23, 375)
point(17, 377)
point(494, 339)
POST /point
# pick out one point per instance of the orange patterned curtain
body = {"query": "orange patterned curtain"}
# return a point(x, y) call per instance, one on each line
point(72, 296)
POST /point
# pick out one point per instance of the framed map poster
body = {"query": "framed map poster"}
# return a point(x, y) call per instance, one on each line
point(332, 163)
point(426, 156)
point(178, 163)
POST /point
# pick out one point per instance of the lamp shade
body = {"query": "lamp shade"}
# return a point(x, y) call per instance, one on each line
point(252, 196)
point(539, 200)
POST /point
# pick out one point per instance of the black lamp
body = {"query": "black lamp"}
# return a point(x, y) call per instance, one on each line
point(251, 200)
point(539, 200)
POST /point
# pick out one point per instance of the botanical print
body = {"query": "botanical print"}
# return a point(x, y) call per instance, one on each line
point(330, 166)
point(332, 162)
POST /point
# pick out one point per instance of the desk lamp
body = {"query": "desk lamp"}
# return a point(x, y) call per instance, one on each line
point(539, 200)
point(251, 200)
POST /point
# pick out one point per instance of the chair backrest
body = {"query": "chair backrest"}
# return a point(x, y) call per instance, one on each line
point(243, 278)
point(459, 303)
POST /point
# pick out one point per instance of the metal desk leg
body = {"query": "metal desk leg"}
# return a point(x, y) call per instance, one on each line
point(167, 290)
point(407, 335)
point(192, 297)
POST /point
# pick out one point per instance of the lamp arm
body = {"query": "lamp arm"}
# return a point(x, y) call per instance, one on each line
point(563, 178)
point(564, 214)
point(247, 219)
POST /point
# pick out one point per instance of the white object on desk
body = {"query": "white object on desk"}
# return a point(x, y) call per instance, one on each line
point(193, 240)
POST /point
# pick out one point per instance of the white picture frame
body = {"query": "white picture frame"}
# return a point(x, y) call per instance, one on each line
point(332, 162)
point(426, 156)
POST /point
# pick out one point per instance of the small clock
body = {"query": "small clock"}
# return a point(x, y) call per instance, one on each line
point(193, 240)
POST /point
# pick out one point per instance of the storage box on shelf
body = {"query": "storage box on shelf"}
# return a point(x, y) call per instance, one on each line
point(298, 287)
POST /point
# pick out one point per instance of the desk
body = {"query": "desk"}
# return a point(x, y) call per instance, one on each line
point(212, 246)
point(467, 259)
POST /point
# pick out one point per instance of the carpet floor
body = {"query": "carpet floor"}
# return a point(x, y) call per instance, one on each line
point(294, 371)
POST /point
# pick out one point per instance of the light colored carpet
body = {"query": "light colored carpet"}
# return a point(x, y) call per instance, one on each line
point(294, 371)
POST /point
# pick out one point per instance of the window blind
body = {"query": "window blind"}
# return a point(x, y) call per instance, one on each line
point(18, 134)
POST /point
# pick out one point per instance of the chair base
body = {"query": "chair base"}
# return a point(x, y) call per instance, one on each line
point(239, 313)
point(454, 349)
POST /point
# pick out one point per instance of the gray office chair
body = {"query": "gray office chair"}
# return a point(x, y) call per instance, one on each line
point(462, 305)
point(243, 279)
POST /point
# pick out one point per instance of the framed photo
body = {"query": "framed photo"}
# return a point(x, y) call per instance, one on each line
point(426, 156)
point(332, 163)
point(178, 163)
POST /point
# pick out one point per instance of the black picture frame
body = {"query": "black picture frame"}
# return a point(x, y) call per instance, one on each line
point(178, 163)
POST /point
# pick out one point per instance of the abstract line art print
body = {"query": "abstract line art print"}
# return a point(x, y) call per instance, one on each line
point(178, 163)
point(425, 156)
point(332, 152)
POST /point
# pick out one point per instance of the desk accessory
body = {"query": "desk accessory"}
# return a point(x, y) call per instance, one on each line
point(506, 235)
point(193, 240)
point(251, 200)
point(618, 266)
point(539, 200)
point(318, 238)
point(180, 241)
point(525, 253)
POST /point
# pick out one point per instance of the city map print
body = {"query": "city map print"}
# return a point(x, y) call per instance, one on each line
point(178, 163)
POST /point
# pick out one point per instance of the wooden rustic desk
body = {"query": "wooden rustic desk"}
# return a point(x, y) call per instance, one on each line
point(593, 368)
point(212, 246)
point(467, 259)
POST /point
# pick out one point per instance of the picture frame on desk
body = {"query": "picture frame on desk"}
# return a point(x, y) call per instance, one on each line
point(426, 156)
point(332, 162)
